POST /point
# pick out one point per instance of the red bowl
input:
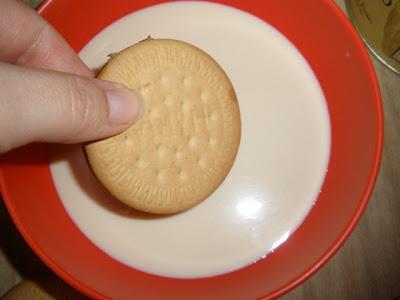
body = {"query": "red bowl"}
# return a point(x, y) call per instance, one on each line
point(336, 54)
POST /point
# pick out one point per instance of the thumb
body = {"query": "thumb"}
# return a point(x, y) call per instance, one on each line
point(48, 106)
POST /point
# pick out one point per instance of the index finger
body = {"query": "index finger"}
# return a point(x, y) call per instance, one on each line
point(27, 39)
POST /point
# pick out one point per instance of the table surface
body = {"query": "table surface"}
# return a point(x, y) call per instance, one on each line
point(366, 267)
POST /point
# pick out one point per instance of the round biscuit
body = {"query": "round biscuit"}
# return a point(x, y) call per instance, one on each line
point(184, 146)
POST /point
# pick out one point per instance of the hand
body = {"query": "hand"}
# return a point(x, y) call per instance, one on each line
point(47, 94)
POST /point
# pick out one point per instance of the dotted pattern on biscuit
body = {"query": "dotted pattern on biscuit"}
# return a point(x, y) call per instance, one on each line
point(186, 142)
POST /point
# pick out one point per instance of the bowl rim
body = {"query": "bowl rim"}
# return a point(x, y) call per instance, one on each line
point(372, 178)
point(331, 250)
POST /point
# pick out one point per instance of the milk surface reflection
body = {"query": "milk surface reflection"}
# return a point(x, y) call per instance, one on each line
point(249, 207)
point(280, 241)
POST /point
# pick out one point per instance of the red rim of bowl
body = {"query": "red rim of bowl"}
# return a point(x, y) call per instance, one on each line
point(335, 246)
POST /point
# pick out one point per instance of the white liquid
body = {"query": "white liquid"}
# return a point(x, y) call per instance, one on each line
point(277, 174)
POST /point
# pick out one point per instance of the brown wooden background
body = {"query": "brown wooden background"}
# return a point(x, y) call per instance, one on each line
point(367, 267)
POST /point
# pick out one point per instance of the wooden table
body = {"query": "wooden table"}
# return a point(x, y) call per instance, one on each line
point(367, 267)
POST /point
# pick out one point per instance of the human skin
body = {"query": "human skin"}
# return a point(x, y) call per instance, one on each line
point(47, 94)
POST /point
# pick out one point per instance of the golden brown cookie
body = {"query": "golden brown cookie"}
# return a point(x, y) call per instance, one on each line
point(186, 142)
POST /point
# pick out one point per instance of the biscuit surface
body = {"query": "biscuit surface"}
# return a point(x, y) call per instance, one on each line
point(186, 142)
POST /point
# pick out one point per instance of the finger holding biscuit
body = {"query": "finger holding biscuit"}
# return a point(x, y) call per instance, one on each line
point(47, 93)
point(49, 106)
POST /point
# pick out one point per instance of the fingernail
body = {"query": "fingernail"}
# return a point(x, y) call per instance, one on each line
point(124, 106)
